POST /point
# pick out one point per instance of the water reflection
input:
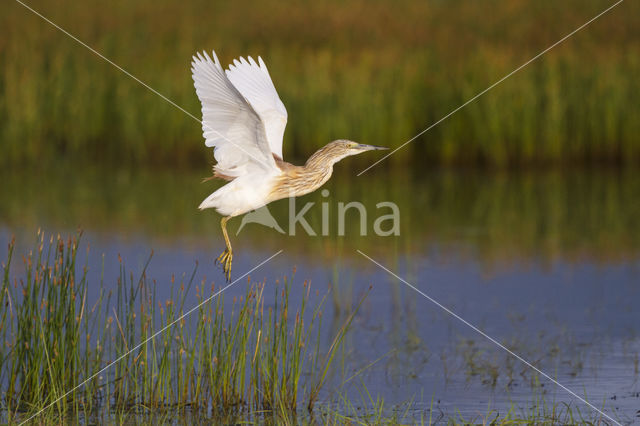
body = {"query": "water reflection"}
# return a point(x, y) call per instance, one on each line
point(496, 218)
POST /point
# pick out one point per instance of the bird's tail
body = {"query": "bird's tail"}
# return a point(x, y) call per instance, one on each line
point(211, 201)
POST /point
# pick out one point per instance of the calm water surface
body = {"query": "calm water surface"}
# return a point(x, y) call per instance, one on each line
point(547, 263)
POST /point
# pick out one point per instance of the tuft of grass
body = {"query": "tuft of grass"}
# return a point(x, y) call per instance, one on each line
point(244, 361)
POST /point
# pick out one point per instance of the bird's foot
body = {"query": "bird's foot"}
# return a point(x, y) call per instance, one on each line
point(224, 260)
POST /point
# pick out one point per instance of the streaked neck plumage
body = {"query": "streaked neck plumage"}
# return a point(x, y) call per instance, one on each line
point(299, 180)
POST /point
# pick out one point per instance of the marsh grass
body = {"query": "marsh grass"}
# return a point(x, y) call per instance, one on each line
point(374, 410)
point(377, 73)
point(247, 360)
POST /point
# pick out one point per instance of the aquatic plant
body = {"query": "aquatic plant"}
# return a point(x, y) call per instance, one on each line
point(56, 344)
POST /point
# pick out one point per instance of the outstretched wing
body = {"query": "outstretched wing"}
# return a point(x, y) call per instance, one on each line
point(229, 123)
point(253, 81)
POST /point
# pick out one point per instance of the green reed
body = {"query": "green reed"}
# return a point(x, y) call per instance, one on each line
point(377, 73)
point(215, 363)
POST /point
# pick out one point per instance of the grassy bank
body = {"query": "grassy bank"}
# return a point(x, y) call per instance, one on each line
point(247, 361)
point(378, 72)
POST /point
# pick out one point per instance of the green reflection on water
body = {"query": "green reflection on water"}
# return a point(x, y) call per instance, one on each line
point(493, 217)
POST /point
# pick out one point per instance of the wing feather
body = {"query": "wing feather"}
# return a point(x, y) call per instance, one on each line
point(254, 83)
point(229, 123)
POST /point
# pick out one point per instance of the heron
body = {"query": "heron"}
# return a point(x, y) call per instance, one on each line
point(243, 119)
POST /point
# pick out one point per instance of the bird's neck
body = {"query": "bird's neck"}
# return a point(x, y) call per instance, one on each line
point(320, 165)
point(320, 160)
point(300, 180)
point(316, 175)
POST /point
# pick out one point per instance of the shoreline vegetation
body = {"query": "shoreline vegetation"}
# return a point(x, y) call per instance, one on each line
point(374, 72)
point(250, 360)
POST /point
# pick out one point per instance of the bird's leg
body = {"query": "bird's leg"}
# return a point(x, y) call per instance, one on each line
point(226, 257)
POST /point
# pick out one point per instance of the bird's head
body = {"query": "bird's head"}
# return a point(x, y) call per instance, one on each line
point(353, 148)
point(343, 148)
point(336, 151)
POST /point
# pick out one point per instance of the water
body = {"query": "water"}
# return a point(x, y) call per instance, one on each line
point(547, 263)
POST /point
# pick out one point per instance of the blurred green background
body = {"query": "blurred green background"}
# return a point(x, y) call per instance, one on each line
point(373, 71)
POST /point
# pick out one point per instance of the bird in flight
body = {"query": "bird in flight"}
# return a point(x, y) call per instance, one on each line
point(243, 119)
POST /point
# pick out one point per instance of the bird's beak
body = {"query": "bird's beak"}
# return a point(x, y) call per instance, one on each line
point(364, 147)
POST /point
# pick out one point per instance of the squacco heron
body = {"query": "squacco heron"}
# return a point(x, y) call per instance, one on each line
point(243, 119)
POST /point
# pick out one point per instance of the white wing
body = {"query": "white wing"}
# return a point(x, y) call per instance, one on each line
point(253, 81)
point(229, 123)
